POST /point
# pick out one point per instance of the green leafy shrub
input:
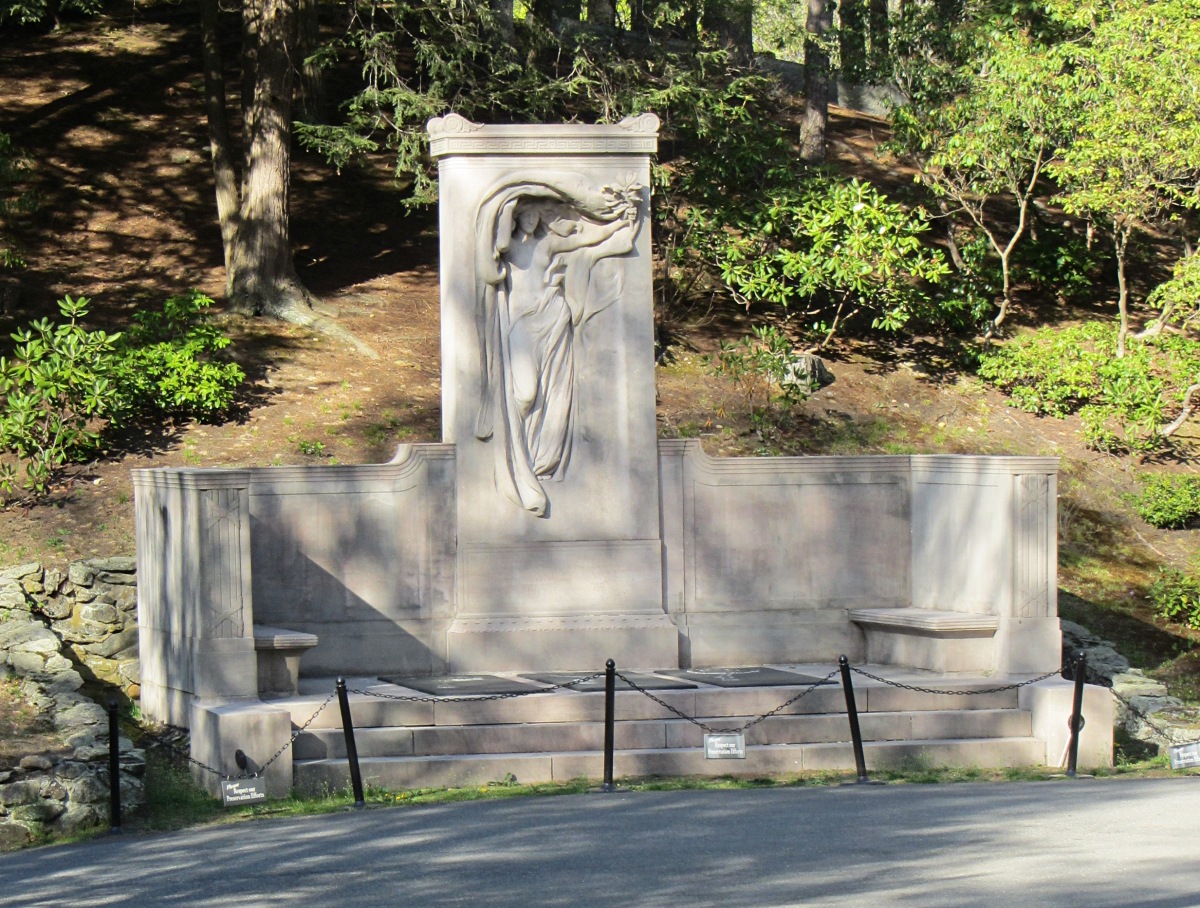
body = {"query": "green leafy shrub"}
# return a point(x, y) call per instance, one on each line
point(168, 363)
point(15, 199)
point(828, 250)
point(57, 394)
point(1169, 501)
point(66, 386)
point(764, 364)
point(1123, 402)
point(35, 12)
point(1176, 597)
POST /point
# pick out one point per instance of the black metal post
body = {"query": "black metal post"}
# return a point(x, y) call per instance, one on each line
point(610, 717)
point(860, 760)
point(351, 748)
point(114, 768)
point(1076, 721)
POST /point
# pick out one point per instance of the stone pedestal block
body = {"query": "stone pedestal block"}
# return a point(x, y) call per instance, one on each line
point(220, 728)
point(1050, 703)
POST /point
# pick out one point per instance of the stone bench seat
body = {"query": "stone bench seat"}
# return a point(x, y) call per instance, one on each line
point(928, 639)
point(927, 622)
point(279, 653)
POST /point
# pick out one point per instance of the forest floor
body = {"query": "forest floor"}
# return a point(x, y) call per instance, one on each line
point(112, 111)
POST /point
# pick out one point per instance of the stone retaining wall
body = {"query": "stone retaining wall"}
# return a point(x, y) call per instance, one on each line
point(56, 630)
point(92, 610)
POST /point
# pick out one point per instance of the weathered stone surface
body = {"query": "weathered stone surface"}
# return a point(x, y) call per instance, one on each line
point(117, 579)
point(123, 641)
point(35, 762)
point(1103, 660)
point(104, 669)
point(22, 792)
point(14, 835)
point(84, 712)
point(28, 637)
point(131, 672)
point(53, 579)
point(79, 817)
point(56, 663)
point(88, 789)
point(79, 631)
point(126, 598)
point(73, 769)
point(84, 594)
point(53, 788)
point(43, 811)
point(63, 681)
point(93, 753)
point(22, 572)
point(27, 663)
point(56, 608)
point(99, 612)
point(80, 574)
point(12, 597)
point(117, 563)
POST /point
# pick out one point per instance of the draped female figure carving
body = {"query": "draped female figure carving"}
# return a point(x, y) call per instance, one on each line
point(539, 240)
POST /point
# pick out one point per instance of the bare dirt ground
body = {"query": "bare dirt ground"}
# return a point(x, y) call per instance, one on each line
point(112, 111)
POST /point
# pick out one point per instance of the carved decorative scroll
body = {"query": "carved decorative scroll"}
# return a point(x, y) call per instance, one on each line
point(539, 240)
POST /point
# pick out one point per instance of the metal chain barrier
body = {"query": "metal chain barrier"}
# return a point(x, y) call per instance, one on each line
point(225, 777)
point(475, 698)
point(934, 690)
point(729, 731)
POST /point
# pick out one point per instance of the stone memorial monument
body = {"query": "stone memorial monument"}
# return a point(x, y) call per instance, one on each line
point(548, 394)
point(551, 529)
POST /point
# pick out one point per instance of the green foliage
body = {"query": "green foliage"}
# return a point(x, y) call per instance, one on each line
point(35, 12)
point(1169, 501)
point(1179, 298)
point(419, 60)
point(1176, 597)
point(66, 386)
point(1123, 401)
point(762, 365)
point(1135, 154)
point(56, 391)
point(311, 448)
point(15, 200)
point(168, 363)
point(828, 250)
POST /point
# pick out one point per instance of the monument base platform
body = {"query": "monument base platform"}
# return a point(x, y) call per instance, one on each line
point(405, 741)
point(562, 644)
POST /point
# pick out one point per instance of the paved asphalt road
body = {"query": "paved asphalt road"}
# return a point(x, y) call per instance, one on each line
point(1087, 843)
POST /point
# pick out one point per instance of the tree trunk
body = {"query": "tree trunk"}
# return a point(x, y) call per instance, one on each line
point(852, 39)
point(260, 274)
point(262, 277)
point(220, 145)
point(312, 78)
point(602, 12)
point(879, 25)
point(1121, 246)
point(732, 21)
point(816, 82)
point(503, 11)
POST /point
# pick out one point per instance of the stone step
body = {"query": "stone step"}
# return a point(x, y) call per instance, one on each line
point(396, 773)
point(378, 708)
point(545, 737)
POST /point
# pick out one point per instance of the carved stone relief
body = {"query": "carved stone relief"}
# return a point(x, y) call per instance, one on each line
point(541, 274)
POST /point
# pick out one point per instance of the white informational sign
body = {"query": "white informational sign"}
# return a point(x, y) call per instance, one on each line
point(236, 792)
point(1185, 756)
point(725, 747)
